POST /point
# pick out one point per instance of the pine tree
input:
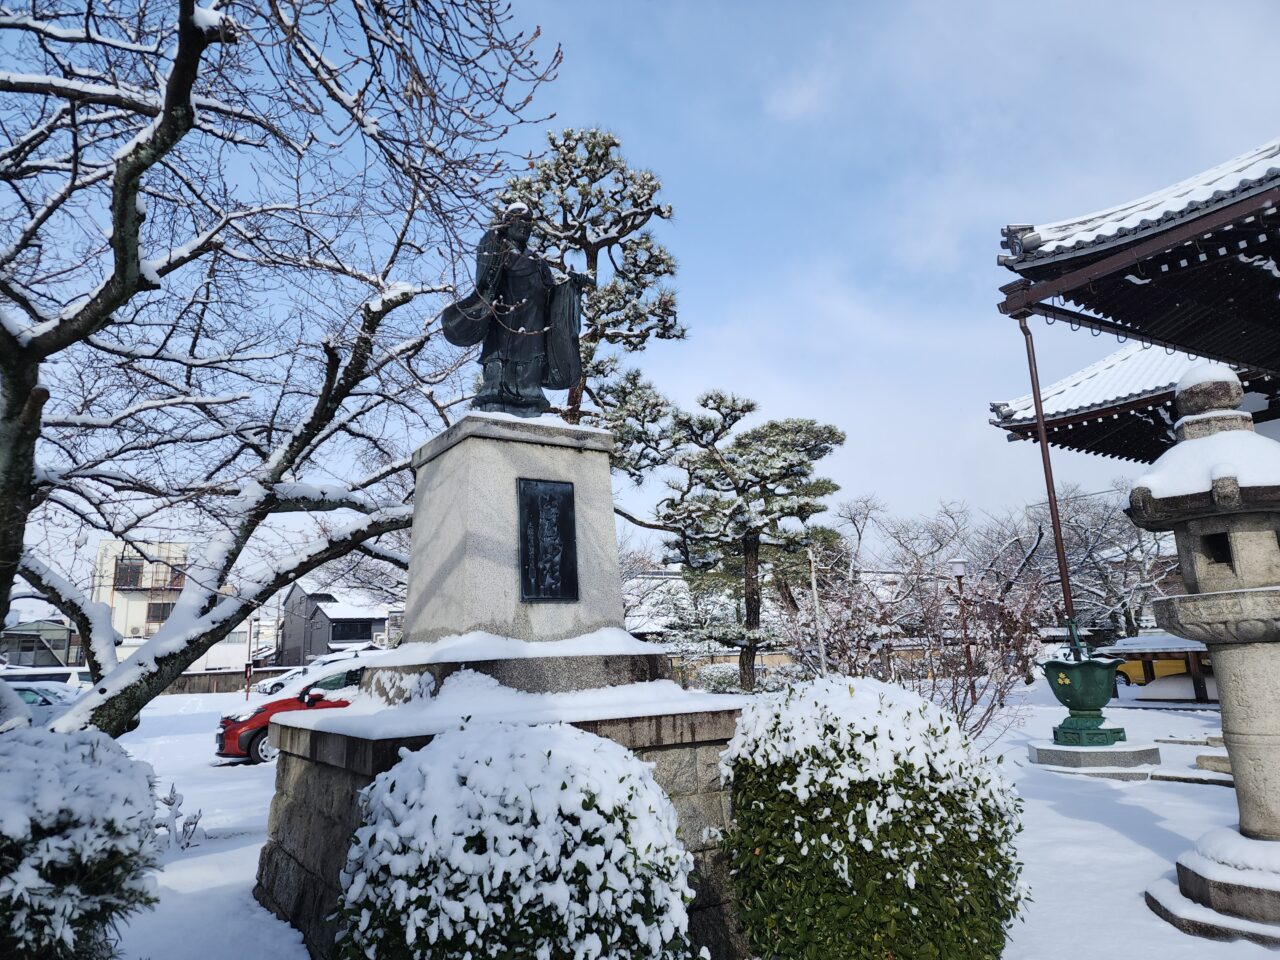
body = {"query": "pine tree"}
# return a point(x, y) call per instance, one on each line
point(591, 208)
point(735, 492)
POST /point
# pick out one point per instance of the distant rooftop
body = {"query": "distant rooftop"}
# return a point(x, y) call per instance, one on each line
point(345, 604)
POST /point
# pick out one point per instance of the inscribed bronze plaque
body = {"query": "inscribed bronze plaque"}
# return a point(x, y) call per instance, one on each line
point(548, 541)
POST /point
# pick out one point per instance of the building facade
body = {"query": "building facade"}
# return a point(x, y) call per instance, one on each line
point(140, 584)
point(316, 619)
point(41, 643)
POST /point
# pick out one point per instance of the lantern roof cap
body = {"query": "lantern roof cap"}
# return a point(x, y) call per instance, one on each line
point(1218, 465)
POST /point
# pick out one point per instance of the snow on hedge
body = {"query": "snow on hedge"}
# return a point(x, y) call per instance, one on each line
point(77, 841)
point(500, 834)
point(867, 824)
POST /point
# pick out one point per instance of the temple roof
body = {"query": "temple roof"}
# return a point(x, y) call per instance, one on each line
point(1121, 406)
point(1228, 181)
point(1132, 372)
point(1194, 267)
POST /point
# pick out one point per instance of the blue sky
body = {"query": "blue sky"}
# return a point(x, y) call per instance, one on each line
point(840, 174)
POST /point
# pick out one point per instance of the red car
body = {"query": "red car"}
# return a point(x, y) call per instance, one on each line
point(244, 735)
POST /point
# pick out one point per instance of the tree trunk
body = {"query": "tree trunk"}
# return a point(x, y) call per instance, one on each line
point(751, 599)
point(114, 714)
point(1130, 622)
point(786, 594)
point(21, 401)
point(573, 403)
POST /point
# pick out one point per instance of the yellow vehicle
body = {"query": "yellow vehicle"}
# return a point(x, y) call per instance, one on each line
point(1131, 671)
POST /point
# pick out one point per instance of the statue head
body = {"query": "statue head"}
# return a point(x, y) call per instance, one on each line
point(516, 223)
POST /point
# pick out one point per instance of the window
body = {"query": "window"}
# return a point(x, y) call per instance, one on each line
point(158, 612)
point(129, 572)
point(348, 678)
point(345, 631)
point(177, 576)
point(1217, 547)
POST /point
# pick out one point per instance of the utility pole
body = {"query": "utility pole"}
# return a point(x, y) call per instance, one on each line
point(817, 614)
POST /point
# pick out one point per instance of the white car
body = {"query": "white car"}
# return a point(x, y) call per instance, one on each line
point(278, 682)
point(45, 700)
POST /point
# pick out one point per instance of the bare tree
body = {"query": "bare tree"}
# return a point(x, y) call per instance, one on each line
point(1116, 568)
point(159, 160)
point(893, 607)
point(213, 317)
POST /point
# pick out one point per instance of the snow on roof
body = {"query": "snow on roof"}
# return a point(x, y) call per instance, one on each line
point(345, 605)
point(342, 609)
point(1153, 643)
point(1132, 372)
point(1252, 172)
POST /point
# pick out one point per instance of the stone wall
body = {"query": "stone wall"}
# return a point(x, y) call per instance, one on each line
point(315, 811)
point(219, 681)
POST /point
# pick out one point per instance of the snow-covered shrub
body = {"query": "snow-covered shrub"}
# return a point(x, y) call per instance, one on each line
point(718, 678)
point(868, 826)
point(77, 842)
point(783, 676)
point(182, 830)
point(499, 835)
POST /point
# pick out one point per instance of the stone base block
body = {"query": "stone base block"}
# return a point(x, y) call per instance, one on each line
point(1208, 884)
point(1121, 755)
point(320, 773)
point(1228, 888)
point(1106, 773)
point(1191, 776)
point(1167, 901)
point(1217, 762)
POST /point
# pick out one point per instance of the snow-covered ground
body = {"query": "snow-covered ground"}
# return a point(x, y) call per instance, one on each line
point(206, 909)
point(1090, 846)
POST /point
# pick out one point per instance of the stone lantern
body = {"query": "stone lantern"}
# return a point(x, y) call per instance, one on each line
point(1218, 490)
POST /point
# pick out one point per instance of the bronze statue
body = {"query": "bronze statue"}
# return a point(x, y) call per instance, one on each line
point(527, 321)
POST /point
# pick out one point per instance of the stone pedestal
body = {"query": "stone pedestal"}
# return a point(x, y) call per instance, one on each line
point(513, 535)
point(467, 541)
point(1115, 762)
point(1228, 887)
point(315, 811)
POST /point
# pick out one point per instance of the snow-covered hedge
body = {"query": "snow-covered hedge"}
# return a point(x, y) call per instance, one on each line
point(867, 826)
point(499, 835)
point(718, 678)
point(724, 677)
point(77, 842)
